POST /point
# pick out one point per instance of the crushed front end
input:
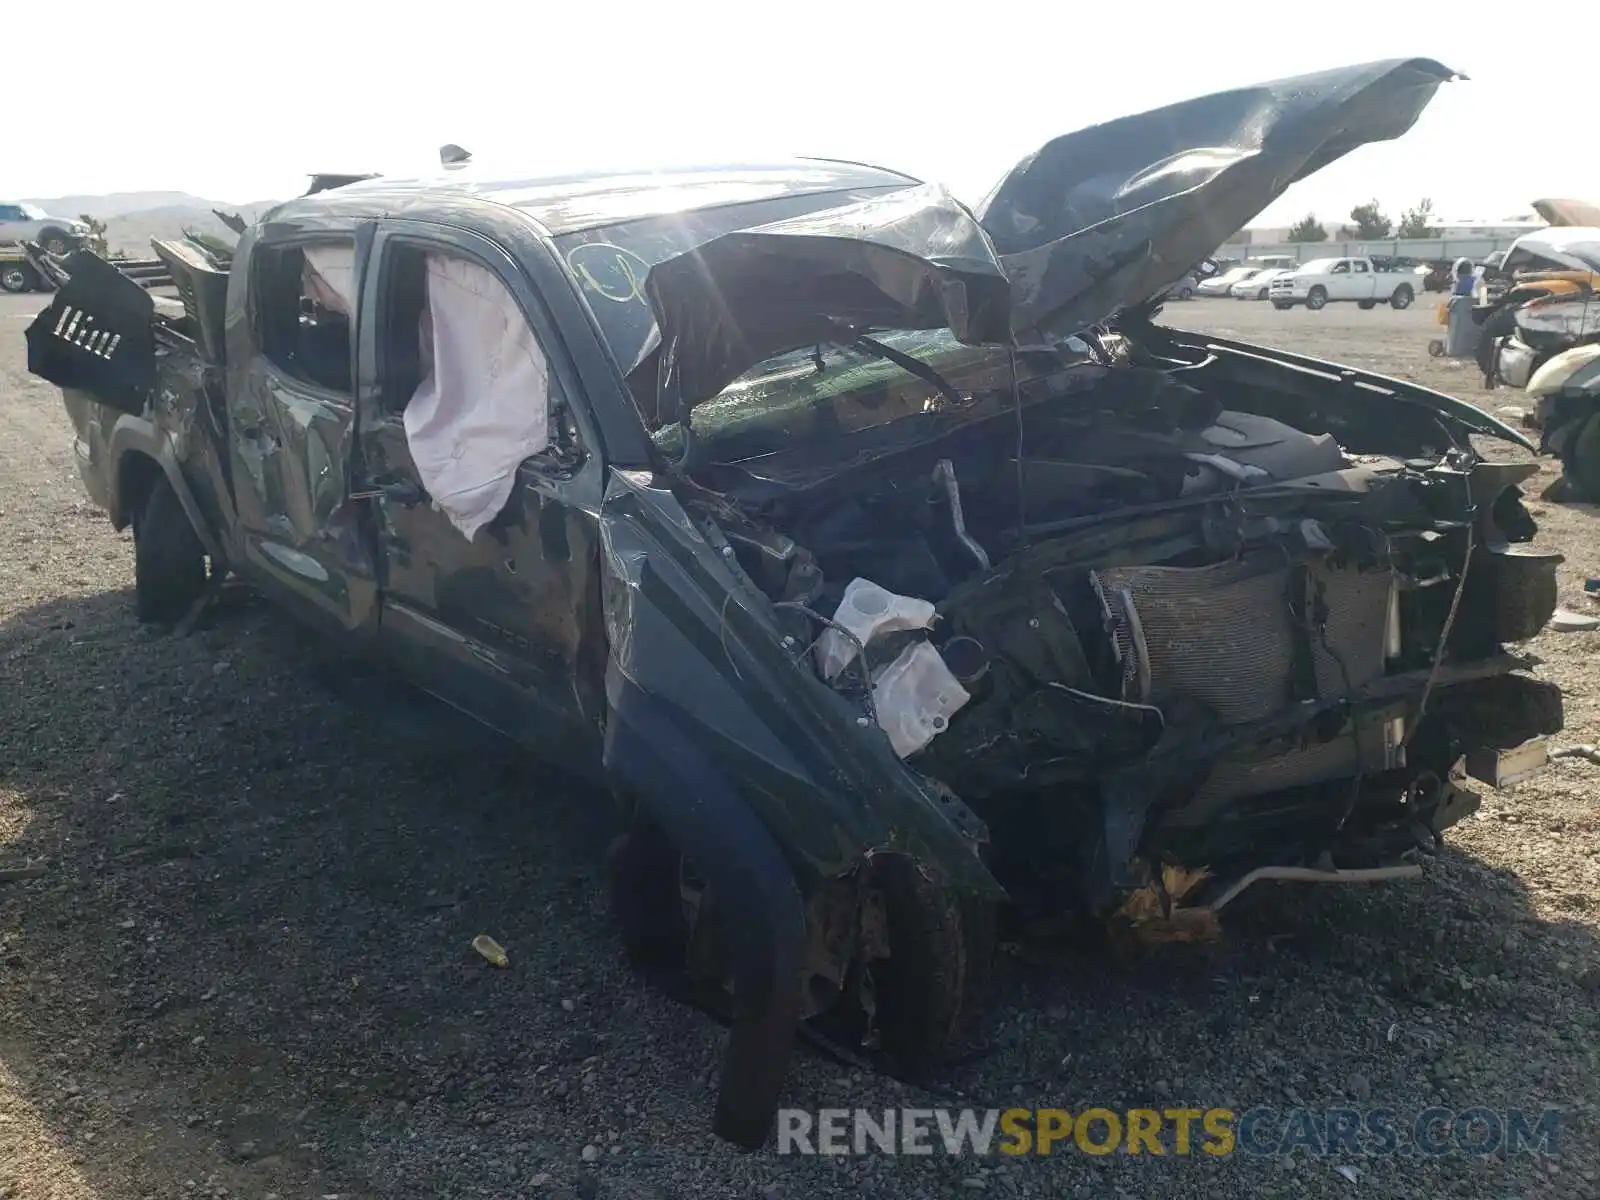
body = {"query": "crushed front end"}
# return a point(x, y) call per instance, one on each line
point(1226, 612)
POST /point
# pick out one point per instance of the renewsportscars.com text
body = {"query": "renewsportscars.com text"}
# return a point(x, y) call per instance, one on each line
point(1261, 1131)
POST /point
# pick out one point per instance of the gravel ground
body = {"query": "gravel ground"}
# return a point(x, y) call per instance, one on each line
point(243, 967)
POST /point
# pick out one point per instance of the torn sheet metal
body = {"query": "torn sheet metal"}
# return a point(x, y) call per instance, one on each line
point(681, 632)
point(1089, 224)
point(96, 336)
point(913, 259)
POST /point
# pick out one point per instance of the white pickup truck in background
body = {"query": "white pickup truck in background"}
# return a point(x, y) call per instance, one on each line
point(1326, 280)
point(28, 223)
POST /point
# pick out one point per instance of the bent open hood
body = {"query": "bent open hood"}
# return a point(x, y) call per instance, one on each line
point(1107, 216)
point(912, 259)
point(1089, 224)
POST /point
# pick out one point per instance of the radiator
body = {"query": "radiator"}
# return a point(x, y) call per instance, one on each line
point(1224, 636)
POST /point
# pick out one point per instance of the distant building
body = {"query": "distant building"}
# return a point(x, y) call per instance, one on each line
point(1510, 227)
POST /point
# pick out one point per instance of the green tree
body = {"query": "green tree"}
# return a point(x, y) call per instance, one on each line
point(1308, 229)
point(1368, 223)
point(96, 238)
point(1416, 222)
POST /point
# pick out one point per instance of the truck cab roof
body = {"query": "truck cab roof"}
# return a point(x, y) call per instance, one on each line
point(575, 202)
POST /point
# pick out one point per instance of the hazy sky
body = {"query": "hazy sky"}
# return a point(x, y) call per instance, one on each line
point(240, 101)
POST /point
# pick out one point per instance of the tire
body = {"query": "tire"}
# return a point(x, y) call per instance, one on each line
point(55, 241)
point(15, 278)
point(1262, 294)
point(1282, 305)
point(1580, 461)
point(169, 562)
point(1436, 348)
point(1366, 305)
point(1317, 298)
point(1185, 291)
point(642, 871)
point(1402, 298)
point(932, 987)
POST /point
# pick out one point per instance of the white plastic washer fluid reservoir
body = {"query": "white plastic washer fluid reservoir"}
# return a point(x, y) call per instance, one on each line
point(867, 610)
point(915, 696)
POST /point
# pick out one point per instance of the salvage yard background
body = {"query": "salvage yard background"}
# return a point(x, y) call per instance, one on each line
point(241, 967)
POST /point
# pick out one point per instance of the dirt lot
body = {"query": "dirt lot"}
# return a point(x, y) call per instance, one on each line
point(243, 969)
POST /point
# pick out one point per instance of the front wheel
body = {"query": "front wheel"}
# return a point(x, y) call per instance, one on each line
point(643, 870)
point(1317, 298)
point(14, 278)
point(931, 988)
point(1262, 294)
point(169, 562)
point(53, 241)
point(1403, 295)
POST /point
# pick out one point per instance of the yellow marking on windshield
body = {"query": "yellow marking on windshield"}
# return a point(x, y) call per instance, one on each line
point(622, 270)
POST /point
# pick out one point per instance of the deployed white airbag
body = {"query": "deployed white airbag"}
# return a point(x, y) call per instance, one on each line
point(329, 277)
point(484, 404)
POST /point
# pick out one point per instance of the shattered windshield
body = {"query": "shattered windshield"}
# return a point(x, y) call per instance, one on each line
point(818, 394)
point(610, 263)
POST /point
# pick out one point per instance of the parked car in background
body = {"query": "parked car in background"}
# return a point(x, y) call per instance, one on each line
point(1256, 286)
point(1185, 288)
point(30, 223)
point(1220, 285)
point(1324, 281)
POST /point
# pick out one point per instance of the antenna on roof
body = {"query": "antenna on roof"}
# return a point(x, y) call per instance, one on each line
point(452, 155)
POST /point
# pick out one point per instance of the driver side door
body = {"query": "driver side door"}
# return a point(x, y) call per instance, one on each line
point(500, 619)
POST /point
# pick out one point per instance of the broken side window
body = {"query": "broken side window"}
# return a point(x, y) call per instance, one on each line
point(464, 367)
point(303, 306)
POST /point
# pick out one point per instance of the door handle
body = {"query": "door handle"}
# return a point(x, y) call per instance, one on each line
point(403, 492)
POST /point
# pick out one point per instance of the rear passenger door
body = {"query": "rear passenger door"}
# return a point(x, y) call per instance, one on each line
point(291, 423)
point(496, 611)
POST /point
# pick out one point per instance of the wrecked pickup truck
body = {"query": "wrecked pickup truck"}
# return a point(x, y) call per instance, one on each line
point(880, 553)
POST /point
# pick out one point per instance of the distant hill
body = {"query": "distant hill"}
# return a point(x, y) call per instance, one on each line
point(132, 231)
point(133, 218)
point(116, 204)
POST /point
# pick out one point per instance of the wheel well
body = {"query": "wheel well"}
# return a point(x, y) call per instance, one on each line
point(136, 477)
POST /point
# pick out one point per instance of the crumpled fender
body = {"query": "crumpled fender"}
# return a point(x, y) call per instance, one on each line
point(685, 629)
point(137, 436)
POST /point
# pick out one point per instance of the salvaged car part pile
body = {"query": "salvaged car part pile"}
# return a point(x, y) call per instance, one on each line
point(1541, 333)
point(880, 554)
